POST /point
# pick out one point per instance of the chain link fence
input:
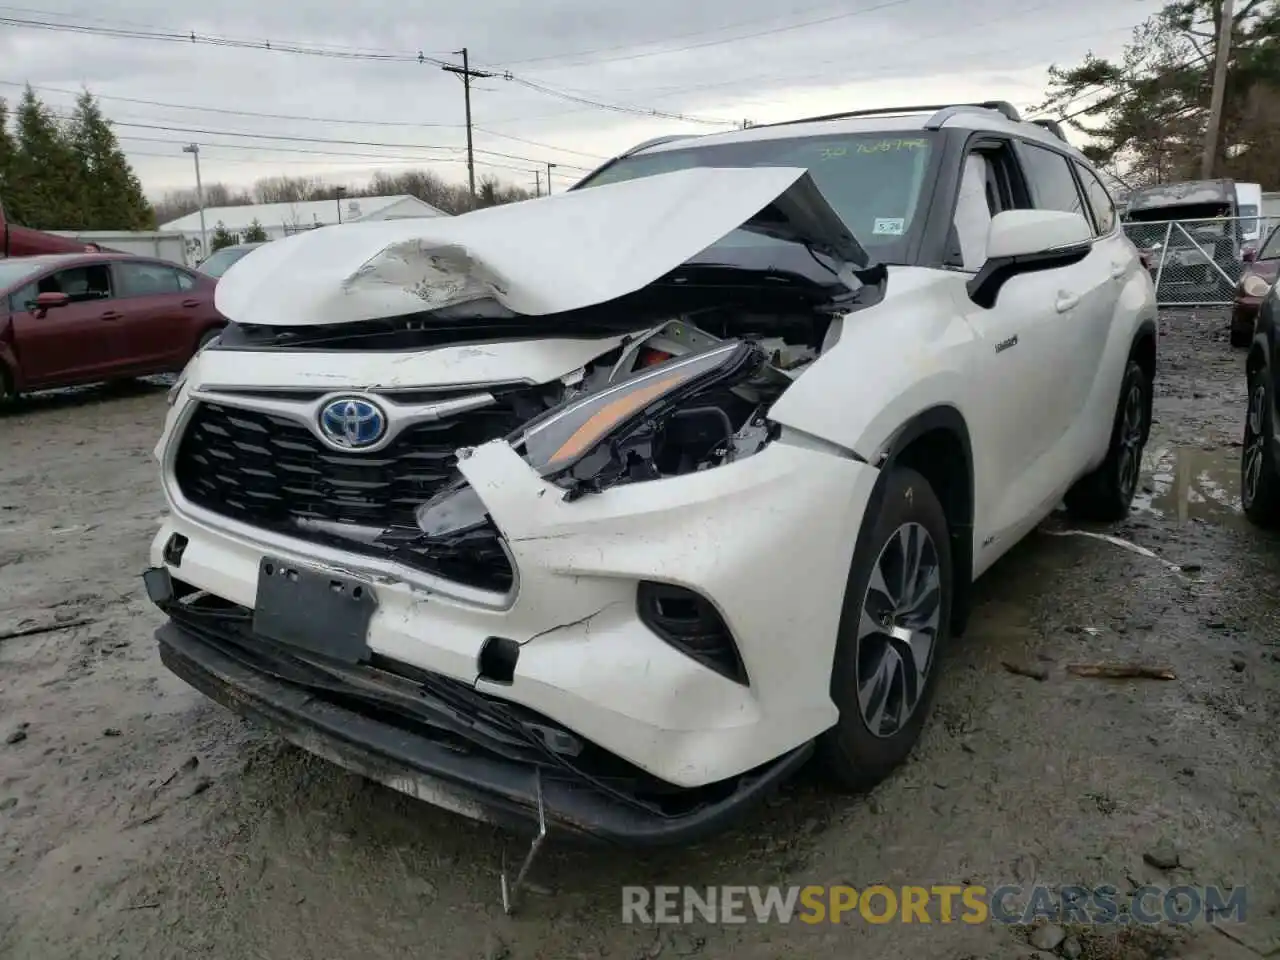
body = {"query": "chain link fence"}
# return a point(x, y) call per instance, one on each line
point(1196, 263)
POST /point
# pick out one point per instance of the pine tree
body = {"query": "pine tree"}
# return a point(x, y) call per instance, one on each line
point(45, 181)
point(255, 233)
point(8, 152)
point(110, 193)
point(222, 237)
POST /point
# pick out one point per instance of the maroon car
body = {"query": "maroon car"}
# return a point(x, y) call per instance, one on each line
point(68, 319)
point(1260, 270)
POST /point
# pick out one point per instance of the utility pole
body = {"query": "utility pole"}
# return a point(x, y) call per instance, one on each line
point(537, 183)
point(550, 167)
point(194, 150)
point(1223, 56)
point(467, 73)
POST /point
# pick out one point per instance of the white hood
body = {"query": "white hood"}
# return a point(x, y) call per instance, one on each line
point(548, 255)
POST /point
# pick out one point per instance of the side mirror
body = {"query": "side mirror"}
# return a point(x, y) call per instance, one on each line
point(50, 301)
point(1024, 241)
point(1249, 255)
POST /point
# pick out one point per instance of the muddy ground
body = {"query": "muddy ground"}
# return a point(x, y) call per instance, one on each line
point(139, 821)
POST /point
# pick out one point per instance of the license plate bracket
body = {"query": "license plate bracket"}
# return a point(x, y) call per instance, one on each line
point(314, 610)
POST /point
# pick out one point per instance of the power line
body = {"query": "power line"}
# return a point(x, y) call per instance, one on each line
point(318, 153)
point(309, 50)
point(352, 121)
point(804, 24)
point(642, 43)
point(288, 138)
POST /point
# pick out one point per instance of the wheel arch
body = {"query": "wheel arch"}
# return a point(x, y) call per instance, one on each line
point(1143, 352)
point(936, 444)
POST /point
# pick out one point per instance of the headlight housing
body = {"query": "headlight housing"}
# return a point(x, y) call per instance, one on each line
point(1254, 286)
point(688, 414)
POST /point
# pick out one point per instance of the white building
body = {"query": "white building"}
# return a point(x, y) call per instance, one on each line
point(282, 219)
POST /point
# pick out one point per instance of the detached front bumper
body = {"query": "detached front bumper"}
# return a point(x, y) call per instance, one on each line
point(416, 761)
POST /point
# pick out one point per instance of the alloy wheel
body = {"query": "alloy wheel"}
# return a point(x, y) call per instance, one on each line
point(1255, 440)
point(898, 629)
point(1131, 442)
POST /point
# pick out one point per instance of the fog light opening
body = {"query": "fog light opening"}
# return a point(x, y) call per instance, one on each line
point(691, 623)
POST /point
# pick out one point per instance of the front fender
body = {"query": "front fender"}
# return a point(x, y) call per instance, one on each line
point(874, 380)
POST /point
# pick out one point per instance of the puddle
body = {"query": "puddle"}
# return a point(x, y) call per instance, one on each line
point(1190, 483)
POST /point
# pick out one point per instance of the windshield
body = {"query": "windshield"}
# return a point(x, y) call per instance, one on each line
point(220, 261)
point(872, 180)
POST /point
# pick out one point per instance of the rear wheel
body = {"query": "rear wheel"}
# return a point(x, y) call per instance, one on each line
point(1259, 478)
point(1241, 332)
point(895, 620)
point(1107, 493)
point(8, 392)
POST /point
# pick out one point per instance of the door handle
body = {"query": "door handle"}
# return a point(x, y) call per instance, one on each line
point(112, 315)
point(1118, 270)
point(1065, 301)
point(191, 303)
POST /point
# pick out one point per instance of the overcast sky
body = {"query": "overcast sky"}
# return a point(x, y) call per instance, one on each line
point(717, 60)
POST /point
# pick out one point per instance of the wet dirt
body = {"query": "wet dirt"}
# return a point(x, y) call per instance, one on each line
point(139, 821)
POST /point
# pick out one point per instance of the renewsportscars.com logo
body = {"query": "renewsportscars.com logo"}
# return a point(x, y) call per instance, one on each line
point(940, 903)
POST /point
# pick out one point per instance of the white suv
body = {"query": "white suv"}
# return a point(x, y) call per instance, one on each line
point(613, 507)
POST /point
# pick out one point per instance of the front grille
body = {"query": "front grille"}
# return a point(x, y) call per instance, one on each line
point(273, 473)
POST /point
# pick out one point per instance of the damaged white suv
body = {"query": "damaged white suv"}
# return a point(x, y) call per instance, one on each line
point(609, 509)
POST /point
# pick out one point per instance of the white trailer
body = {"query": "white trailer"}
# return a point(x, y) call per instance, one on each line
point(144, 243)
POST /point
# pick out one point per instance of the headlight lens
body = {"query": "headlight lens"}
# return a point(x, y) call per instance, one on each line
point(1255, 286)
point(639, 429)
point(563, 437)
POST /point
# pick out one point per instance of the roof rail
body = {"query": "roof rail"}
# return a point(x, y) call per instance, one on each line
point(1053, 126)
point(1003, 107)
point(881, 112)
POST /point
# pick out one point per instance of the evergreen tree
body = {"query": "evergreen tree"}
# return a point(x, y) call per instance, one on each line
point(255, 233)
point(44, 186)
point(222, 237)
point(8, 151)
point(111, 195)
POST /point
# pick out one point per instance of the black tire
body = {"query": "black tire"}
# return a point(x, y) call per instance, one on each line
point(1106, 494)
point(1241, 333)
point(8, 394)
point(1259, 478)
point(852, 754)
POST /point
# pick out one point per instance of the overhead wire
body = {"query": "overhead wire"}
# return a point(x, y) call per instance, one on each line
point(312, 50)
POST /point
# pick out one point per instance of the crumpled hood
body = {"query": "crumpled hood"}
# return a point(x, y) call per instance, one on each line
point(548, 255)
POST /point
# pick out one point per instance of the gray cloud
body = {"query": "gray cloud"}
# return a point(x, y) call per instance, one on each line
point(660, 54)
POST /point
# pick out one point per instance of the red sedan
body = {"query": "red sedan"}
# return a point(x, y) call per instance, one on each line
point(68, 319)
point(1260, 271)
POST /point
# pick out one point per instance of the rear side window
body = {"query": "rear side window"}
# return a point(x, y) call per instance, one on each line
point(1100, 202)
point(146, 279)
point(1052, 185)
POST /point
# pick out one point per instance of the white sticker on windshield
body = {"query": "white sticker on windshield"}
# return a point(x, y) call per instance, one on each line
point(892, 226)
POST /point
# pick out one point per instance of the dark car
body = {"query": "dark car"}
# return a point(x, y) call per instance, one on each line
point(220, 261)
point(1260, 271)
point(1260, 456)
point(68, 319)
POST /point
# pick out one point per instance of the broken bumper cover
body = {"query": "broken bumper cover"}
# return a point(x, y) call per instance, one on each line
point(767, 540)
point(484, 787)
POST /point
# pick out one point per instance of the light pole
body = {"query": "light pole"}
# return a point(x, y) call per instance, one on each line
point(338, 194)
point(194, 150)
point(550, 167)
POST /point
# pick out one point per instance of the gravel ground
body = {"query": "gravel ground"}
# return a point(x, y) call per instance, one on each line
point(139, 821)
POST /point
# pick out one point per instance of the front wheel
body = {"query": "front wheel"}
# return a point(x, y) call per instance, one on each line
point(1107, 493)
point(894, 622)
point(1259, 478)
